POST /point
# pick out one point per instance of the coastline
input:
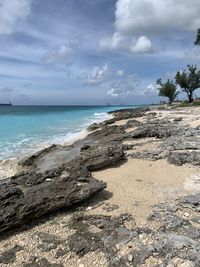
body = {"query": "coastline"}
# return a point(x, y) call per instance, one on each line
point(149, 160)
point(42, 129)
point(9, 166)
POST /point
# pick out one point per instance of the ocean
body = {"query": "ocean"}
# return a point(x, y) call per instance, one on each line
point(27, 129)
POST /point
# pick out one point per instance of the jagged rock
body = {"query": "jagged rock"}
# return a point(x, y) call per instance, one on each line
point(102, 156)
point(9, 255)
point(41, 262)
point(152, 130)
point(183, 143)
point(132, 123)
point(129, 113)
point(82, 244)
point(191, 202)
point(108, 134)
point(85, 147)
point(94, 127)
point(48, 241)
point(32, 195)
point(178, 119)
point(181, 157)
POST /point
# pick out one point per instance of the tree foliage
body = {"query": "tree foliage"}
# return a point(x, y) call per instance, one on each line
point(168, 89)
point(189, 80)
point(197, 41)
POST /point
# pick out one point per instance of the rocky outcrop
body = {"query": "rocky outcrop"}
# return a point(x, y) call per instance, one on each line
point(129, 113)
point(29, 196)
point(181, 157)
point(176, 242)
point(98, 157)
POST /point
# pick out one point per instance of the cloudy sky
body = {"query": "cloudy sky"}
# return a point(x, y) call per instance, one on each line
point(93, 51)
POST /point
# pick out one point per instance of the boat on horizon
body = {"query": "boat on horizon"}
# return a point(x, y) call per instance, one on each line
point(5, 104)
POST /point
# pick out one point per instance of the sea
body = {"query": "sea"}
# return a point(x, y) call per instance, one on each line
point(27, 129)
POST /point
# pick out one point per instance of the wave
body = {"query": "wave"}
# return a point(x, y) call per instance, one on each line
point(26, 145)
point(80, 133)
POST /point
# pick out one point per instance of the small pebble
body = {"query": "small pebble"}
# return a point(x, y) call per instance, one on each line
point(130, 257)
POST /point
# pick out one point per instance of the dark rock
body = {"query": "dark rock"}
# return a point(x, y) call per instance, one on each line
point(41, 262)
point(82, 244)
point(85, 147)
point(108, 134)
point(94, 127)
point(9, 256)
point(100, 157)
point(152, 131)
point(178, 119)
point(110, 121)
point(132, 123)
point(181, 157)
point(44, 193)
point(129, 113)
point(62, 252)
point(183, 143)
point(191, 202)
point(49, 241)
point(172, 221)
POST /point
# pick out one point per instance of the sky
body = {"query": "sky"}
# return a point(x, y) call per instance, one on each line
point(93, 52)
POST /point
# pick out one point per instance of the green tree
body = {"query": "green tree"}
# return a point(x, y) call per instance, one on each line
point(189, 80)
point(168, 89)
point(197, 41)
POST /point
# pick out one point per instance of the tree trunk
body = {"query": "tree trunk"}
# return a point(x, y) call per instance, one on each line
point(190, 96)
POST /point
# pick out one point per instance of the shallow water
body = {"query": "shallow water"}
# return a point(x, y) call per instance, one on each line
point(25, 129)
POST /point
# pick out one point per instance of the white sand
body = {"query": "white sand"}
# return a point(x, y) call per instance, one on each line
point(139, 184)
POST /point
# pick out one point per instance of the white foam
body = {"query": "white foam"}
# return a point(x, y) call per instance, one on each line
point(29, 145)
point(99, 117)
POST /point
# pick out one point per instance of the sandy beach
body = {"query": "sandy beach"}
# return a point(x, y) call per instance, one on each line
point(139, 184)
point(144, 181)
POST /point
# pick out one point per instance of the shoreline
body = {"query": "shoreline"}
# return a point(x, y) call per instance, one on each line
point(9, 166)
point(27, 144)
point(145, 163)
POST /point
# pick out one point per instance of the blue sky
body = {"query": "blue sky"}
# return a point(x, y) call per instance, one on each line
point(93, 51)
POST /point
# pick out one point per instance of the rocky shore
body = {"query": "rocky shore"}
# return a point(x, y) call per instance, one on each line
point(128, 194)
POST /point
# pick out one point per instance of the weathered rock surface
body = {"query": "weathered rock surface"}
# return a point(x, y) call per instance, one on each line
point(41, 190)
point(98, 157)
point(129, 113)
point(180, 143)
point(32, 195)
point(175, 241)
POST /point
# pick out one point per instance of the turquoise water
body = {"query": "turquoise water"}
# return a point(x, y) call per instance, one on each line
point(25, 129)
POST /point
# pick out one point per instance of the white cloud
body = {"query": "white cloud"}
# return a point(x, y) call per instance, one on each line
point(141, 16)
point(115, 42)
point(150, 90)
point(120, 73)
point(118, 42)
point(96, 76)
point(123, 87)
point(142, 45)
point(11, 13)
point(61, 55)
point(117, 92)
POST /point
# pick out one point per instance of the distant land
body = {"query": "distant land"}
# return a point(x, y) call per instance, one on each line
point(6, 104)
